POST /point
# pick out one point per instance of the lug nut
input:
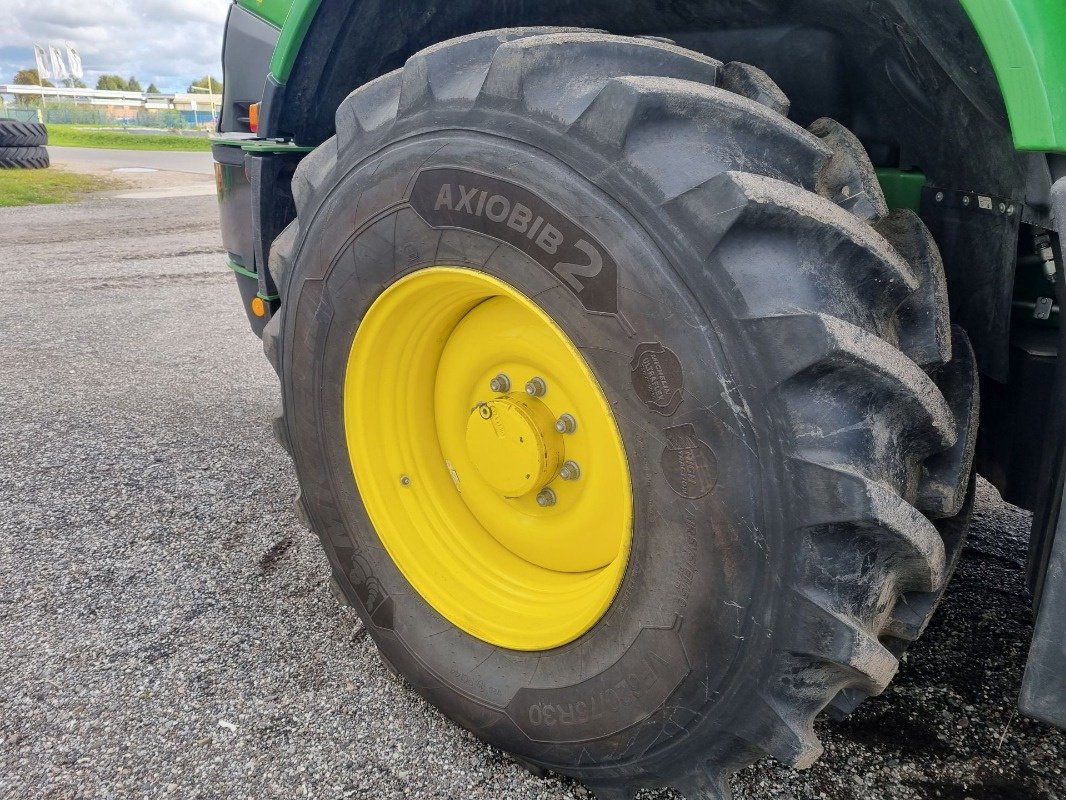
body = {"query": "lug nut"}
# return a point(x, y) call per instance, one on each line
point(569, 471)
point(536, 387)
point(501, 384)
point(405, 481)
point(545, 497)
point(566, 424)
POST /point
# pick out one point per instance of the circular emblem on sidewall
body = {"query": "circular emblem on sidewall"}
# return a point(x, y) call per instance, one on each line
point(689, 464)
point(657, 379)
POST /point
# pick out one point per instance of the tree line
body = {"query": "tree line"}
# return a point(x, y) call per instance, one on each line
point(30, 77)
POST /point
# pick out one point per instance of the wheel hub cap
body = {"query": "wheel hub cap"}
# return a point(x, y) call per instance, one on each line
point(513, 444)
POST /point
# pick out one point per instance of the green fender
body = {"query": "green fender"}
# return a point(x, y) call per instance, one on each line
point(1025, 40)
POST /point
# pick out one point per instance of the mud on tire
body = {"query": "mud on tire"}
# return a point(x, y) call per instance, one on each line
point(796, 512)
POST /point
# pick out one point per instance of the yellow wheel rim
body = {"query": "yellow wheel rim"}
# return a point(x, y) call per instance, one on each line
point(508, 510)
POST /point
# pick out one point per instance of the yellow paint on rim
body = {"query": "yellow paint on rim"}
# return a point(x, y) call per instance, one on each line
point(450, 471)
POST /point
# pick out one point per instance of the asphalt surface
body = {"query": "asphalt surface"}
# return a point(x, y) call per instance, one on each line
point(141, 174)
point(102, 159)
point(166, 629)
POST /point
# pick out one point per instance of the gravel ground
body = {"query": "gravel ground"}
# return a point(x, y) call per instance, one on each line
point(165, 624)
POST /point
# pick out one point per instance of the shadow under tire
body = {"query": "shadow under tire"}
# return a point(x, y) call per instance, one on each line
point(774, 344)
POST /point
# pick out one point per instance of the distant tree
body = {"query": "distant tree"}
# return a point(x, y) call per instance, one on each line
point(30, 77)
point(153, 89)
point(113, 82)
point(133, 85)
point(207, 82)
point(74, 83)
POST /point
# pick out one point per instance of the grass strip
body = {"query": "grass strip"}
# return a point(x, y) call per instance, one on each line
point(79, 136)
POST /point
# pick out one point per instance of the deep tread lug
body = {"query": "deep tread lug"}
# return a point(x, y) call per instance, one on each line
point(629, 110)
point(525, 72)
point(737, 214)
point(782, 734)
point(844, 704)
point(271, 343)
point(849, 179)
point(369, 112)
point(945, 475)
point(282, 253)
point(925, 333)
point(535, 770)
point(754, 84)
point(700, 784)
point(818, 343)
point(820, 632)
point(314, 170)
point(843, 499)
point(454, 71)
point(281, 430)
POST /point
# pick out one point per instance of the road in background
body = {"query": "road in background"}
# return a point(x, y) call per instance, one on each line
point(92, 159)
point(144, 174)
point(165, 623)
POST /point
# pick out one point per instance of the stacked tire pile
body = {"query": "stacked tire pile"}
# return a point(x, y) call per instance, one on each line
point(22, 145)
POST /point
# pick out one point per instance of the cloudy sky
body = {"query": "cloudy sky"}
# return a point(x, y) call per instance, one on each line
point(169, 42)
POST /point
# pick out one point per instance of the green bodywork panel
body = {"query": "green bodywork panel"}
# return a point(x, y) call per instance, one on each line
point(247, 273)
point(293, 31)
point(273, 11)
point(1025, 40)
point(252, 145)
point(903, 189)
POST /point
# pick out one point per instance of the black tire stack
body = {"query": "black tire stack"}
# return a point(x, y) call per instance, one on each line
point(22, 145)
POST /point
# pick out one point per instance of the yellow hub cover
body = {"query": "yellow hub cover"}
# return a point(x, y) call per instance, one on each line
point(513, 530)
point(513, 444)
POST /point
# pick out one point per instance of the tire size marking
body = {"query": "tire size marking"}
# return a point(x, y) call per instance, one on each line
point(448, 197)
point(631, 690)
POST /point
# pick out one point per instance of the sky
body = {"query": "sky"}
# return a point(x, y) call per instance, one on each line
point(168, 42)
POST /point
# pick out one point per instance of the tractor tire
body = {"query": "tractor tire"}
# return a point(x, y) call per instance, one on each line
point(797, 413)
point(22, 134)
point(23, 157)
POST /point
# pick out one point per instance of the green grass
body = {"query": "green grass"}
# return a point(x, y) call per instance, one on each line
point(82, 136)
point(25, 187)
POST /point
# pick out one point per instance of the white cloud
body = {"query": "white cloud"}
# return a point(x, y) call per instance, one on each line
point(168, 42)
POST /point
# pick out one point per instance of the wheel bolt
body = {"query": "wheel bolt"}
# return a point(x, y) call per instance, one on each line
point(545, 497)
point(536, 387)
point(501, 384)
point(405, 481)
point(566, 424)
point(569, 471)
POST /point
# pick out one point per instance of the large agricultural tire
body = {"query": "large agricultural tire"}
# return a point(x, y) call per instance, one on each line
point(773, 345)
point(22, 134)
point(23, 157)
